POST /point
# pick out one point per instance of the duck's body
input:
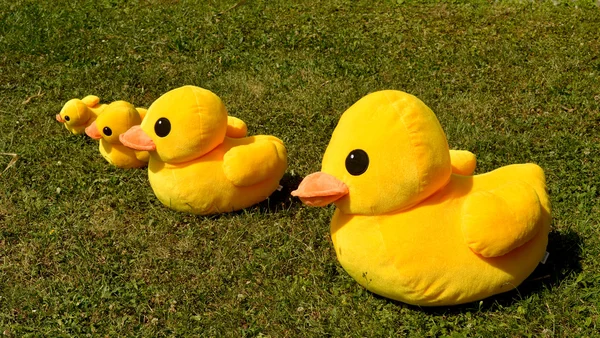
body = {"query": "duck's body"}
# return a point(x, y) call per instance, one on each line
point(419, 256)
point(203, 187)
point(200, 161)
point(122, 157)
point(116, 119)
point(411, 223)
point(78, 114)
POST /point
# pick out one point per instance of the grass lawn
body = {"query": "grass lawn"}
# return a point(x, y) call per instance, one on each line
point(86, 249)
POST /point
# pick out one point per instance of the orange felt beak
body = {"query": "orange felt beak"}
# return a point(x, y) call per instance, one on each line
point(59, 118)
point(136, 138)
point(320, 189)
point(92, 131)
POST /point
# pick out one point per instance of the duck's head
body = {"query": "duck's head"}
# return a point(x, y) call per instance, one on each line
point(181, 125)
point(387, 153)
point(116, 119)
point(74, 113)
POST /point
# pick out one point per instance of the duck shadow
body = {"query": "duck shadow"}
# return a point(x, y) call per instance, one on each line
point(564, 260)
point(282, 199)
point(279, 200)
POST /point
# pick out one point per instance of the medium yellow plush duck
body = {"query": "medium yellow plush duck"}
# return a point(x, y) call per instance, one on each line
point(116, 119)
point(406, 227)
point(194, 166)
point(77, 114)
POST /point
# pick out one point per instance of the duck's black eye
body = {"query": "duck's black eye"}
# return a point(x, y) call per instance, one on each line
point(107, 131)
point(357, 162)
point(67, 118)
point(162, 127)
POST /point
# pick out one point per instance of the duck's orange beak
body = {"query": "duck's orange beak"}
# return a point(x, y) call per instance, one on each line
point(59, 118)
point(320, 189)
point(136, 138)
point(92, 131)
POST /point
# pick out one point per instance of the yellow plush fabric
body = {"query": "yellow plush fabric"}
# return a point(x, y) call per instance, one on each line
point(411, 222)
point(116, 119)
point(236, 128)
point(463, 162)
point(199, 160)
point(407, 127)
point(77, 114)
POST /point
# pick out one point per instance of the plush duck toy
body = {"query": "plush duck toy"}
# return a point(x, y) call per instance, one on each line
point(406, 227)
point(77, 114)
point(194, 166)
point(116, 119)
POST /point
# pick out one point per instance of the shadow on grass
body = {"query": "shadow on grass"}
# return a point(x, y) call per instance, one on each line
point(564, 260)
point(281, 199)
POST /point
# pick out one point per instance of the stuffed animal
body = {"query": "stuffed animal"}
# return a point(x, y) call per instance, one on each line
point(77, 114)
point(116, 119)
point(406, 227)
point(194, 166)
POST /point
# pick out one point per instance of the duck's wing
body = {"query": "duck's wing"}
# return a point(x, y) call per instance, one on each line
point(236, 128)
point(142, 155)
point(249, 164)
point(142, 112)
point(91, 100)
point(463, 162)
point(498, 221)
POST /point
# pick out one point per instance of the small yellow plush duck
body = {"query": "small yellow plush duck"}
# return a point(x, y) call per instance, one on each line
point(77, 114)
point(116, 119)
point(406, 227)
point(194, 166)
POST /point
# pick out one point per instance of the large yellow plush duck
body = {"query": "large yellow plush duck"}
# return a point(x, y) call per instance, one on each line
point(116, 119)
point(78, 114)
point(194, 166)
point(406, 227)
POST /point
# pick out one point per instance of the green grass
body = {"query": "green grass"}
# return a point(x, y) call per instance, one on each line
point(86, 249)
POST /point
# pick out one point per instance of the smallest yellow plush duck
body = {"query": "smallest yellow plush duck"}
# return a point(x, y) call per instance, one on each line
point(77, 114)
point(200, 161)
point(116, 119)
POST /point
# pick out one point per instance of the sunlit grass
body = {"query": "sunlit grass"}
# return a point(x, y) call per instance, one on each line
point(86, 249)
